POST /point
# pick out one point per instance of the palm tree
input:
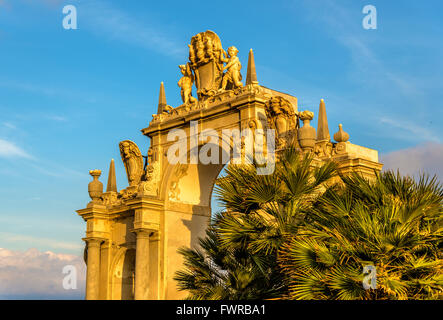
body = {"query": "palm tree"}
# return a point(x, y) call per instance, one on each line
point(393, 223)
point(216, 273)
point(238, 257)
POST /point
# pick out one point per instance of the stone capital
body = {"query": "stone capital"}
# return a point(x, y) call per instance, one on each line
point(144, 233)
point(94, 241)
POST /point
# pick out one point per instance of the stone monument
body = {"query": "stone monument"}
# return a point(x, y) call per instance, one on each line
point(132, 235)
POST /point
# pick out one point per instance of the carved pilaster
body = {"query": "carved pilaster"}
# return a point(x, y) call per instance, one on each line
point(142, 262)
point(146, 224)
point(93, 268)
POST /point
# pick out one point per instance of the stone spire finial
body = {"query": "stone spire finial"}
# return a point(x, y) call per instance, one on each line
point(161, 99)
point(322, 126)
point(340, 135)
point(112, 181)
point(251, 76)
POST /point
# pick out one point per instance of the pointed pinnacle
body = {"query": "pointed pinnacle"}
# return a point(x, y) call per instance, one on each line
point(251, 76)
point(322, 126)
point(112, 181)
point(161, 99)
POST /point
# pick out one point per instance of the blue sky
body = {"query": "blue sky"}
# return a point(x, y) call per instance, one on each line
point(67, 97)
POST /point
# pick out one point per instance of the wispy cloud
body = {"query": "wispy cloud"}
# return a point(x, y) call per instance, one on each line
point(28, 87)
point(372, 72)
point(49, 3)
point(105, 20)
point(344, 25)
point(36, 222)
point(50, 90)
point(9, 149)
point(57, 118)
point(9, 125)
point(39, 241)
point(49, 168)
point(414, 131)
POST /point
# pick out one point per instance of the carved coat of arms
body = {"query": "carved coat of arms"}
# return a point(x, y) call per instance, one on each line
point(206, 56)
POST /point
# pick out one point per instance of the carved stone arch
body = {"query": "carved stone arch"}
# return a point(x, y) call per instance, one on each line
point(187, 213)
point(168, 206)
point(197, 178)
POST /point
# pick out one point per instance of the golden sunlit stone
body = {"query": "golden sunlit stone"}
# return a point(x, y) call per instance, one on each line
point(132, 235)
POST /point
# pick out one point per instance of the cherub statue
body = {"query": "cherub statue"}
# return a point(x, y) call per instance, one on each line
point(133, 160)
point(233, 67)
point(185, 83)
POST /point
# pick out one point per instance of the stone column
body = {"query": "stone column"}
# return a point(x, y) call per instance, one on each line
point(154, 266)
point(146, 222)
point(105, 253)
point(93, 269)
point(142, 264)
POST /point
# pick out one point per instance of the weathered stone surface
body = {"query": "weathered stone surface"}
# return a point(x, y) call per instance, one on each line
point(132, 235)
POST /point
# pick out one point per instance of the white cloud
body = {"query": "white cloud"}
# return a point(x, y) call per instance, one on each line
point(424, 158)
point(38, 275)
point(10, 150)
